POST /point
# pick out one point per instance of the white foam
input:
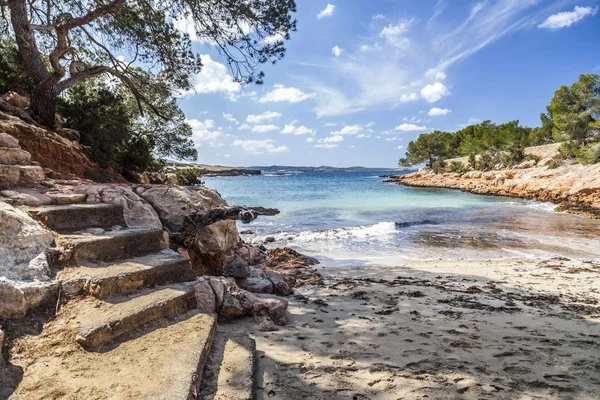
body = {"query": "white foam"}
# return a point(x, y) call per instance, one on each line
point(381, 229)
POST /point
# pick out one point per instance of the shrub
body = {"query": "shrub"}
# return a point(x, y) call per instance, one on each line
point(473, 161)
point(486, 161)
point(513, 156)
point(590, 155)
point(438, 166)
point(554, 163)
point(188, 177)
point(458, 167)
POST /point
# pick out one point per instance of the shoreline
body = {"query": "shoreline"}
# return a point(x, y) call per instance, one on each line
point(573, 188)
point(504, 329)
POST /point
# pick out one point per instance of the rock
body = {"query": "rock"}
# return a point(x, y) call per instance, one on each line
point(66, 198)
point(205, 296)
point(31, 174)
point(1, 346)
point(291, 256)
point(238, 268)
point(248, 232)
point(489, 176)
point(15, 99)
point(213, 246)
point(527, 164)
point(19, 298)
point(25, 197)
point(11, 156)
point(256, 285)
point(218, 286)
point(8, 141)
point(22, 240)
point(9, 175)
point(269, 239)
point(136, 211)
point(277, 307)
point(281, 287)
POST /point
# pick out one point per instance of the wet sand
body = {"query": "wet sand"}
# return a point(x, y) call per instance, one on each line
point(500, 329)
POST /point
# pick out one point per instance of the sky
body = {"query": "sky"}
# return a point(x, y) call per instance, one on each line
point(361, 79)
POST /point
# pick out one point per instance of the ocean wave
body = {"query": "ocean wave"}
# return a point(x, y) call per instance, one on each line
point(358, 232)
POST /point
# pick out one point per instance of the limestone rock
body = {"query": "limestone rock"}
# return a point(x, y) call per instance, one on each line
point(215, 245)
point(8, 141)
point(12, 156)
point(31, 174)
point(15, 99)
point(19, 298)
point(136, 211)
point(66, 198)
point(25, 197)
point(527, 164)
point(9, 175)
point(277, 307)
point(22, 240)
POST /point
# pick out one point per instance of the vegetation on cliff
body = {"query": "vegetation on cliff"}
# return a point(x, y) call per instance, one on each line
point(573, 117)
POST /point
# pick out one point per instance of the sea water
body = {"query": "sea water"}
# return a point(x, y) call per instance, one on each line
point(353, 217)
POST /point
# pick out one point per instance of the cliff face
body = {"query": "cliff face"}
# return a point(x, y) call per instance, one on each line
point(576, 187)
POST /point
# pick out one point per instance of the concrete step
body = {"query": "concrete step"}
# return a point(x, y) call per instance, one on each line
point(162, 361)
point(14, 156)
point(73, 217)
point(112, 245)
point(229, 371)
point(104, 279)
point(101, 321)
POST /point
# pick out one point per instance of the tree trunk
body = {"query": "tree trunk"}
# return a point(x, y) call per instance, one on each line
point(43, 105)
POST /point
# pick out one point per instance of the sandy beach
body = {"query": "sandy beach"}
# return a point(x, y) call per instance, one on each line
point(498, 329)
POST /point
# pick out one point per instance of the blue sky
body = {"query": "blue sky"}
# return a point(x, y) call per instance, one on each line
point(363, 78)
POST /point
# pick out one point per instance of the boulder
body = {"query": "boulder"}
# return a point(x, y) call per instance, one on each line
point(213, 246)
point(205, 296)
point(290, 256)
point(238, 268)
point(136, 211)
point(23, 243)
point(19, 298)
point(277, 307)
point(527, 164)
point(8, 141)
point(11, 156)
point(15, 99)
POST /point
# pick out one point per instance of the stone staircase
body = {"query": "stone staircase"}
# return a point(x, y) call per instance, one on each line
point(15, 164)
point(127, 290)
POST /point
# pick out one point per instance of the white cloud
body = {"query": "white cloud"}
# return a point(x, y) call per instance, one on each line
point(394, 34)
point(244, 127)
point(266, 116)
point(276, 38)
point(332, 139)
point(567, 18)
point(393, 139)
point(434, 92)
point(260, 146)
point(337, 51)
point(436, 112)
point(399, 147)
point(405, 98)
point(297, 130)
point(264, 128)
point(326, 12)
point(310, 139)
point(288, 94)
point(327, 145)
point(186, 25)
point(214, 78)
point(370, 47)
point(230, 118)
point(349, 130)
point(433, 73)
point(410, 128)
point(203, 132)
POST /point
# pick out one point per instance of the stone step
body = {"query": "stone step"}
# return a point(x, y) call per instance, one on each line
point(65, 218)
point(103, 280)
point(31, 174)
point(229, 371)
point(66, 198)
point(162, 361)
point(8, 141)
point(112, 245)
point(101, 321)
point(14, 156)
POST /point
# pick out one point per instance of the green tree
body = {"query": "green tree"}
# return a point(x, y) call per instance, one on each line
point(68, 42)
point(12, 75)
point(574, 111)
point(427, 148)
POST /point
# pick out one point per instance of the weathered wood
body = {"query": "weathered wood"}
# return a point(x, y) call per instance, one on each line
point(199, 219)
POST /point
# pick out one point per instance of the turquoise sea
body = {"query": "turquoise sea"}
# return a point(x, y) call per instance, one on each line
point(354, 217)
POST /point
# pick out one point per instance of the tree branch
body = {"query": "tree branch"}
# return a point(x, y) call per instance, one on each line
point(200, 219)
point(92, 15)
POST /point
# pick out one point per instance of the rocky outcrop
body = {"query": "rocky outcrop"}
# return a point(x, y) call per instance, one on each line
point(289, 264)
point(56, 149)
point(576, 187)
